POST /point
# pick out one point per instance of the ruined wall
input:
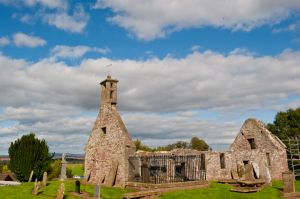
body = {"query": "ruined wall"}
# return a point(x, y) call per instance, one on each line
point(268, 150)
point(213, 165)
point(109, 143)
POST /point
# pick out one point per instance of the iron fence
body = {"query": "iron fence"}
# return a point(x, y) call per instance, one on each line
point(159, 169)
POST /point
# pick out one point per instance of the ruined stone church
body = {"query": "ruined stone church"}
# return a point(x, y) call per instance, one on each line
point(111, 158)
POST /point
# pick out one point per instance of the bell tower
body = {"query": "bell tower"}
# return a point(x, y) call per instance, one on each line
point(109, 91)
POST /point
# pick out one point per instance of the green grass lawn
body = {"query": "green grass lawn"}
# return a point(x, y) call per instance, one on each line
point(24, 191)
point(215, 191)
point(77, 169)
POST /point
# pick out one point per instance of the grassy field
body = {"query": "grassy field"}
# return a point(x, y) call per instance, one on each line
point(215, 191)
point(77, 169)
point(24, 191)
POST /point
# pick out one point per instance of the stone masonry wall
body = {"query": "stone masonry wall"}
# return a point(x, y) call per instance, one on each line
point(269, 150)
point(109, 142)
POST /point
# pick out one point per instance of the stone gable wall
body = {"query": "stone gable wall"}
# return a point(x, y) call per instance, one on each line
point(265, 142)
point(104, 148)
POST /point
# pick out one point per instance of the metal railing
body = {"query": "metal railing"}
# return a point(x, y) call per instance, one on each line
point(160, 169)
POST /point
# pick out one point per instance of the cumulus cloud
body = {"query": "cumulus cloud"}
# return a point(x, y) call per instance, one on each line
point(21, 39)
point(157, 129)
point(207, 80)
point(151, 19)
point(64, 51)
point(74, 23)
point(68, 134)
point(4, 41)
point(159, 98)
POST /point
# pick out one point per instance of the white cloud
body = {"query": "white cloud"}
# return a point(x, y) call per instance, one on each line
point(75, 23)
point(22, 39)
point(60, 102)
point(64, 51)
point(207, 80)
point(151, 19)
point(4, 41)
point(167, 129)
point(48, 3)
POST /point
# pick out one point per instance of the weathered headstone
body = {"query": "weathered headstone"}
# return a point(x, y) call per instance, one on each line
point(288, 182)
point(97, 191)
point(240, 170)
point(256, 169)
point(77, 186)
point(110, 178)
point(234, 174)
point(63, 171)
point(61, 191)
point(36, 187)
point(249, 175)
point(268, 176)
point(30, 177)
point(44, 179)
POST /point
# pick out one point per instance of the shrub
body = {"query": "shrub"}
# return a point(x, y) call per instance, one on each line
point(54, 170)
point(1, 166)
point(5, 169)
point(27, 154)
point(69, 173)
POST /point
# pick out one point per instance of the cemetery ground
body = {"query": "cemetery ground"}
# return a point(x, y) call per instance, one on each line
point(215, 191)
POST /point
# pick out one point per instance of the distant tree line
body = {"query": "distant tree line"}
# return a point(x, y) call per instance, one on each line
point(195, 143)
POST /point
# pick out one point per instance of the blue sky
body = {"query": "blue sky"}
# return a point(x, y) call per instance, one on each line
point(190, 68)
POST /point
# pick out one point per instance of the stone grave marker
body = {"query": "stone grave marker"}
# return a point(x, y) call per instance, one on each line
point(288, 179)
point(44, 184)
point(97, 191)
point(249, 175)
point(30, 177)
point(61, 191)
point(77, 186)
point(110, 178)
point(36, 187)
point(63, 171)
point(234, 174)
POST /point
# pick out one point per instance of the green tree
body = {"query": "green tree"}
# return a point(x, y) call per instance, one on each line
point(286, 124)
point(1, 166)
point(54, 169)
point(27, 154)
point(140, 146)
point(198, 144)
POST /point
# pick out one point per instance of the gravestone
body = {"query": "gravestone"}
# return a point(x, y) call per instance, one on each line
point(44, 184)
point(288, 179)
point(249, 175)
point(77, 186)
point(268, 176)
point(30, 177)
point(36, 187)
point(63, 171)
point(256, 169)
point(240, 170)
point(110, 178)
point(234, 174)
point(61, 191)
point(97, 192)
